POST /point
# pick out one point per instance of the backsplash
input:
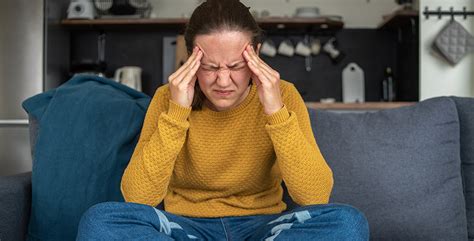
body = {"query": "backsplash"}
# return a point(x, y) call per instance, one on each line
point(373, 50)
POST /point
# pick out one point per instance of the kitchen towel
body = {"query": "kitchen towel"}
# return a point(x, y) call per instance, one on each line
point(454, 42)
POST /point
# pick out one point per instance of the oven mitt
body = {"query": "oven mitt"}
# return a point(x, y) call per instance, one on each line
point(454, 42)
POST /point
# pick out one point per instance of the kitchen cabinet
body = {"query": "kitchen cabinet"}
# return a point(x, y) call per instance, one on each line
point(399, 18)
point(404, 23)
point(140, 42)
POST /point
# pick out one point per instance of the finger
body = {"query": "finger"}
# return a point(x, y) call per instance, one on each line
point(191, 75)
point(191, 72)
point(250, 58)
point(186, 64)
point(270, 69)
point(255, 80)
point(263, 76)
point(267, 73)
point(195, 64)
point(249, 55)
point(257, 58)
point(271, 73)
point(251, 62)
point(265, 68)
point(262, 71)
point(254, 56)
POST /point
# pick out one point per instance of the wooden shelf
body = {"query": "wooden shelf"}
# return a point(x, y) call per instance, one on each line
point(266, 23)
point(357, 106)
point(124, 21)
point(398, 18)
point(287, 22)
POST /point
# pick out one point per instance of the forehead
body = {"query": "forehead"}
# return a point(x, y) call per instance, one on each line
point(222, 48)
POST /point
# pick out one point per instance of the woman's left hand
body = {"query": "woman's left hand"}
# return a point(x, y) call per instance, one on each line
point(267, 81)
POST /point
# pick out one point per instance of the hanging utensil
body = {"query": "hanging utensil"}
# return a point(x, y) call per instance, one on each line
point(308, 59)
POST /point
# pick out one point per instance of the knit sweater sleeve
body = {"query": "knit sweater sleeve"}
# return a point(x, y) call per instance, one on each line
point(162, 137)
point(305, 172)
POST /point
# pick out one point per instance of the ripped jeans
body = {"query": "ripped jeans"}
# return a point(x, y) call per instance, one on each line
point(132, 221)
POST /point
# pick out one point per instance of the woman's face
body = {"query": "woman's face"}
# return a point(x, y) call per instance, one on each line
point(223, 75)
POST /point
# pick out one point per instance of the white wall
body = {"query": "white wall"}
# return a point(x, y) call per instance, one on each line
point(356, 13)
point(437, 77)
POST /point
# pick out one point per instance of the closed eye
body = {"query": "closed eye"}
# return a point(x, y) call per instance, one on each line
point(238, 66)
point(210, 68)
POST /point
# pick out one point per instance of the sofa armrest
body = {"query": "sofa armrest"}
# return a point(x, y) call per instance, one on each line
point(15, 205)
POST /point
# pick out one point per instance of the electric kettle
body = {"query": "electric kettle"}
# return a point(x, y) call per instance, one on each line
point(129, 76)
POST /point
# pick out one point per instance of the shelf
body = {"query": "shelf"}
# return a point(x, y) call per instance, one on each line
point(124, 21)
point(398, 19)
point(358, 106)
point(295, 23)
point(270, 23)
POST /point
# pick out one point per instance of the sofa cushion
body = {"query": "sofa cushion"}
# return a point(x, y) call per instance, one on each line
point(401, 167)
point(15, 200)
point(466, 119)
point(87, 131)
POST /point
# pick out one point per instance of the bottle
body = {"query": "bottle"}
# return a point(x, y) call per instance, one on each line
point(384, 89)
point(388, 86)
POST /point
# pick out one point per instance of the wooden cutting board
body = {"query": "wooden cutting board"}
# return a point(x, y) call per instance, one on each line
point(353, 86)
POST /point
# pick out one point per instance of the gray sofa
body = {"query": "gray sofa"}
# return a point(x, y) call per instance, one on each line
point(410, 170)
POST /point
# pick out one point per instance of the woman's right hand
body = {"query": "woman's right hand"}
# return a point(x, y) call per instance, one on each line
point(181, 82)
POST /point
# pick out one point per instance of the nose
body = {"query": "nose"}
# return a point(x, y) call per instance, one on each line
point(223, 78)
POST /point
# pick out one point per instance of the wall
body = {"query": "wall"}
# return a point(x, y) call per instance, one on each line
point(21, 76)
point(350, 9)
point(437, 77)
point(56, 46)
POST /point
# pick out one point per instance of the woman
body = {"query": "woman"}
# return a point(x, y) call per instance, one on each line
point(216, 144)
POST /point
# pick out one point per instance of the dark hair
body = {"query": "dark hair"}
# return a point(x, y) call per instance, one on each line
point(214, 16)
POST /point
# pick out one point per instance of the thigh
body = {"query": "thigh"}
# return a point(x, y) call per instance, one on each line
point(316, 222)
point(133, 221)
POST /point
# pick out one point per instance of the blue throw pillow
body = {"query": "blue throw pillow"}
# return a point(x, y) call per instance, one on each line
point(87, 131)
point(400, 167)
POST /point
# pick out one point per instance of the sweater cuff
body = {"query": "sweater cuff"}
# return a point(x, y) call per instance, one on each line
point(278, 117)
point(178, 111)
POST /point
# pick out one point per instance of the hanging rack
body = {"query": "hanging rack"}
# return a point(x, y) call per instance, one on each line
point(451, 13)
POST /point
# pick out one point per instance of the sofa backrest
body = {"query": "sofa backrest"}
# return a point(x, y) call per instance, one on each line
point(400, 167)
point(367, 149)
point(465, 107)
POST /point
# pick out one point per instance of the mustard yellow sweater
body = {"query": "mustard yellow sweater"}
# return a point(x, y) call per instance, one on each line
point(230, 163)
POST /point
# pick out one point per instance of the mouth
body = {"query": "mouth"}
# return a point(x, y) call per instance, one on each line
point(223, 93)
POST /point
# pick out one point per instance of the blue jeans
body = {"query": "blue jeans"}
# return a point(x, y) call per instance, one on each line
point(132, 221)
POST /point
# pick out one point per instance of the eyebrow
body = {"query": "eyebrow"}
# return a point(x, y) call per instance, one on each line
point(232, 65)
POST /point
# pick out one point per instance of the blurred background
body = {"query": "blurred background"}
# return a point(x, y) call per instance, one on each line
point(337, 52)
